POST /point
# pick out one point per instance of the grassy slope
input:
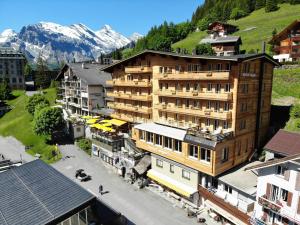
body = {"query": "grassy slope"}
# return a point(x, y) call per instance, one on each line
point(18, 123)
point(264, 23)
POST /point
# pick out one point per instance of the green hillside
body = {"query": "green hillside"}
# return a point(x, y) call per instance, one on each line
point(262, 22)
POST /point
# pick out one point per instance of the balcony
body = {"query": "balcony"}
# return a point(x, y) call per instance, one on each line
point(196, 95)
point(138, 69)
point(128, 107)
point(203, 75)
point(207, 113)
point(218, 203)
point(265, 202)
point(129, 118)
point(129, 96)
point(129, 83)
point(175, 123)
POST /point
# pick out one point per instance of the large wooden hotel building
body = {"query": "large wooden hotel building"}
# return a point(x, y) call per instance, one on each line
point(198, 116)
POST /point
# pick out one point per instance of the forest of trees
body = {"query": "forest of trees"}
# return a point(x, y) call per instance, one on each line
point(162, 37)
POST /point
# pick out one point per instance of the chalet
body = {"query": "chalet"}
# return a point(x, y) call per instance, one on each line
point(221, 29)
point(287, 43)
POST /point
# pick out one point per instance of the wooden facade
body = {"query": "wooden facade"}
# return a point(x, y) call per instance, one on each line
point(287, 42)
point(225, 95)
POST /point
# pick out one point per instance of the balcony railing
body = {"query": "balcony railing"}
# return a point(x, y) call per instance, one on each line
point(265, 202)
point(129, 118)
point(196, 95)
point(133, 108)
point(207, 113)
point(130, 83)
point(203, 192)
point(129, 96)
point(201, 75)
point(138, 69)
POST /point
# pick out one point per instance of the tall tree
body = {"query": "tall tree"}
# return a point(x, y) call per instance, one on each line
point(294, 2)
point(271, 5)
point(5, 90)
point(260, 4)
point(41, 78)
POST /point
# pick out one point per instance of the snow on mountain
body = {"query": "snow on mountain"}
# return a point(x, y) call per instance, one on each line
point(6, 35)
point(135, 37)
point(56, 42)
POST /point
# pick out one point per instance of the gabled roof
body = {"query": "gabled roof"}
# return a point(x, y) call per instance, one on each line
point(91, 73)
point(234, 58)
point(211, 25)
point(285, 32)
point(222, 39)
point(36, 193)
point(292, 158)
point(284, 143)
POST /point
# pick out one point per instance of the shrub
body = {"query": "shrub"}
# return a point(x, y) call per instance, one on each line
point(204, 49)
point(295, 111)
point(35, 100)
point(85, 145)
point(237, 13)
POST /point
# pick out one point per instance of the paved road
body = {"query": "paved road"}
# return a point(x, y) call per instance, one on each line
point(140, 206)
point(12, 149)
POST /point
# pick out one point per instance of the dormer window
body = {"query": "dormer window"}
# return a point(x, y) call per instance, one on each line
point(280, 170)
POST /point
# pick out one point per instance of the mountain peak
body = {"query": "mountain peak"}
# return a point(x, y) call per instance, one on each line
point(135, 36)
point(106, 27)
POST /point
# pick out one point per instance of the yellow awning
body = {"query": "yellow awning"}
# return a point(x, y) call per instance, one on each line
point(103, 128)
point(91, 121)
point(171, 183)
point(86, 117)
point(117, 122)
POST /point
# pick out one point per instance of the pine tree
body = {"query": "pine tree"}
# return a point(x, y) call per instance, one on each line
point(271, 5)
point(294, 2)
point(41, 79)
point(260, 4)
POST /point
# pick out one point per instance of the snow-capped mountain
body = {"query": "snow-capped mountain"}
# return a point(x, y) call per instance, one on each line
point(56, 42)
point(135, 37)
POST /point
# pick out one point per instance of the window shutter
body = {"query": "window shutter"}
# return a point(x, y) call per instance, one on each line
point(268, 190)
point(287, 175)
point(289, 199)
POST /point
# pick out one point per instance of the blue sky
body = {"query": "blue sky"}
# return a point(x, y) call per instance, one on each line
point(125, 16)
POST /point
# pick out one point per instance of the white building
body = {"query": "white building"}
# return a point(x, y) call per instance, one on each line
point(83, 89)
point(278, 191)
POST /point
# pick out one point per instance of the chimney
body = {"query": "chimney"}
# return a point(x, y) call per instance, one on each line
point(263, 47)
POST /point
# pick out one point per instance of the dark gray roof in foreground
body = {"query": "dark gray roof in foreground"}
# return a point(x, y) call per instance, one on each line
point(35, 193)
point(91, 74)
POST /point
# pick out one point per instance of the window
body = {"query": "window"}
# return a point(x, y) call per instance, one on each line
point(178, 146)
point(284, 195)
point(196, 87)
point(166, 86)
point(205, 154)
point(226, 106)
point(142, 135)
point(216, 124)
point(219, 66)
point(178, 87)
point(225, 153)
point(225, 124)
point(158, 139)
point(210, 67)
point(150, 137)
point(168, 142)
point(186, 174)
point(280, 170)
point(177, 68)
point(14, 80)
point(209, 87)
point(245, 88)
point(187, 103)
point(159, 163)
point(217, 106)
point(242, 124)
point(160, 86)
point(228, 189)
point(246, 67)
point(193, 150)
point(178, 102)
point(244, 107)
point(227, 87)
point(78, 129)
point(274, 192)
point(187, 87)
point(171, 168)
point(228, 66)
point(20, 80)
point(207, 122)
point(218, 88)
point(209, 103)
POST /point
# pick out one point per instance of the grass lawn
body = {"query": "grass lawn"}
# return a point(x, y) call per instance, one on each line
point(263, 24)
point(286, 91)
point(18, 123)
